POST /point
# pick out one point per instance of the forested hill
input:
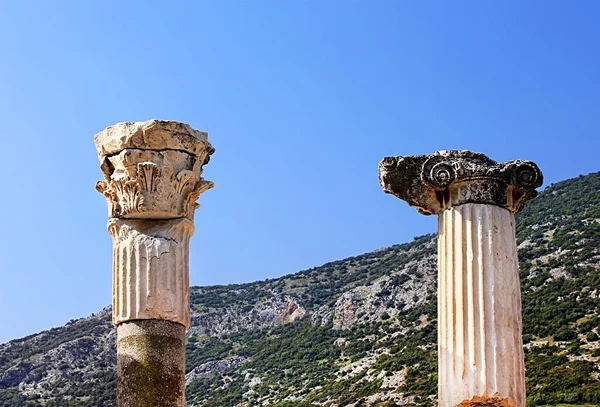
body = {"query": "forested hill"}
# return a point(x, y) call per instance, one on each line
point(355, 332)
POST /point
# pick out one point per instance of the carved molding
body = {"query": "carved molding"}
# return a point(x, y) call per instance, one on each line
point(152, 170)
point(432, 183)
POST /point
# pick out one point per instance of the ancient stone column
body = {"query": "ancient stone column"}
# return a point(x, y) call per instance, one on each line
point(152, 179)
point(480, 345)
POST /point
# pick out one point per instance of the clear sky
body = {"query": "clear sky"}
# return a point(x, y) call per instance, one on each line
point(301, 100)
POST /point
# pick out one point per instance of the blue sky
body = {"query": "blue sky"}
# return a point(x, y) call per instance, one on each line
point(301, 99)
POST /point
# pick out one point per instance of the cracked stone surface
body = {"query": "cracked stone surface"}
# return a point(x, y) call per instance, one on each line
point(152, 135)
point(152, 179)
point(434, 182)
point(151, 269)
point(480, 346)
point(153, 169)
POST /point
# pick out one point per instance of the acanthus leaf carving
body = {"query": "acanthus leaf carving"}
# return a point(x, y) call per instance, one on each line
point(148, 174)
point(183, 179)
point(128, 194)
point(152, 179)
point(152, 170)
point(152, 184)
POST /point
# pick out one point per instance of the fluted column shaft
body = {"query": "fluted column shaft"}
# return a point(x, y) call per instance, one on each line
point(151, 269)
point(480, 346)
point(151, 309)
point(152, 178)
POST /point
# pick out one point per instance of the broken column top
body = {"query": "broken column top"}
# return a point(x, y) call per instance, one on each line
point(151, 135)
point(152, 170)
point(434, 182)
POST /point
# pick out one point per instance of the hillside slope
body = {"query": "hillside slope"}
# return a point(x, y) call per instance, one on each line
point(355, 332)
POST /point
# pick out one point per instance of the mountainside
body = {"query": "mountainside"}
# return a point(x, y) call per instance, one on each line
point(354, 332)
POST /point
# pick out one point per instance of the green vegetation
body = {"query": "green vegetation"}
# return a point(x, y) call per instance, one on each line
point(309, 363)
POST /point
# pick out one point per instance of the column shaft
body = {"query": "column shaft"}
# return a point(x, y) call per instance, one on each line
point(150, 364)
point(151, 269)
point(152, 179)
point(479, 307)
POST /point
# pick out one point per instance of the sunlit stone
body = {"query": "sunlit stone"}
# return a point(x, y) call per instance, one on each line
point(152, 179)
point(480, 345)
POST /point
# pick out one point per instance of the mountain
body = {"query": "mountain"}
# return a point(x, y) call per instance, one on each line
point(354, 332)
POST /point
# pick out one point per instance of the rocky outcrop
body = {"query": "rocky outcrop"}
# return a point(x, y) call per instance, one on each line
point(387, 296)
point(52, 358)
point(274, 311)
point(402, 289)
point(210, 369)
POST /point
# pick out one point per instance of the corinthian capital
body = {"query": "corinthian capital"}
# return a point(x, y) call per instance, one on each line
point(434, 182)
point(153, 169)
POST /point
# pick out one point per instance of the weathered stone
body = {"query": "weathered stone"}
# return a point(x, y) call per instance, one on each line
point(152, 179)
point(151, 269)
point(480, 346)
point(152, 170)
point(432, 183)
point(150, 364)
point(153, 135)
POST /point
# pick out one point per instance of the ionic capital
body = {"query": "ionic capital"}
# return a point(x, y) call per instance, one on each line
point(153, 169)
point(434, 182)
